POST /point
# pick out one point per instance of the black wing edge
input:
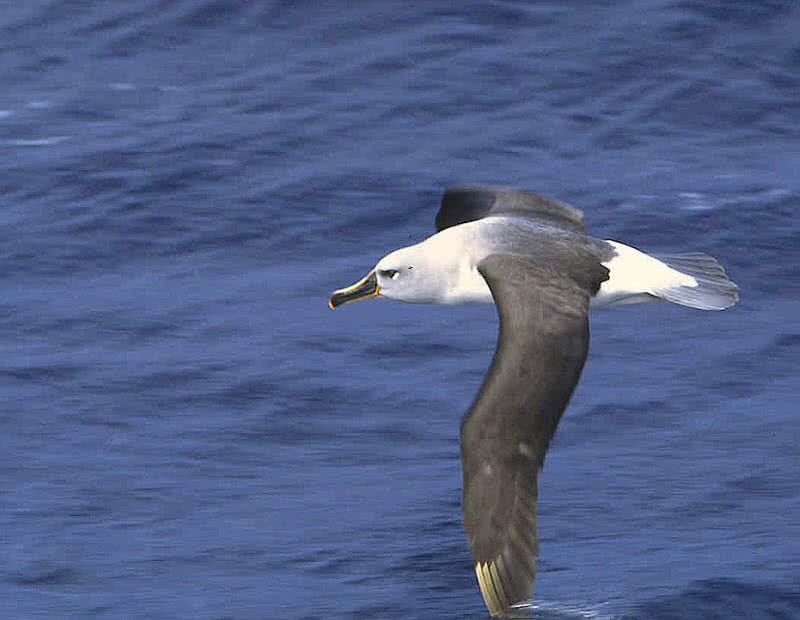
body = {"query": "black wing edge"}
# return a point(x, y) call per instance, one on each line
point(469, 203)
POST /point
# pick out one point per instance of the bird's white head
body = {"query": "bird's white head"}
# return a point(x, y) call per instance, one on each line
point(408, 274)
point(414, 275)
point(436, 271)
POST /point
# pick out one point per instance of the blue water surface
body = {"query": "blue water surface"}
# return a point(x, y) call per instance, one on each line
point(186, 429)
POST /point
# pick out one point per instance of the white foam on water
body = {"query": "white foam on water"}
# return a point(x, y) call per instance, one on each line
point(561, 611)
point(38, 141)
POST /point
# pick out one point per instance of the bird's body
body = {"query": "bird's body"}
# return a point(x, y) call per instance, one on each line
point(531, 257)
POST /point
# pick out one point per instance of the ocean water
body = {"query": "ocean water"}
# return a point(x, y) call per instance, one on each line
point(186, 429)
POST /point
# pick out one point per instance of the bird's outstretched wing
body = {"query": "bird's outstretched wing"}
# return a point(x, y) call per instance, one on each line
point(543, 342)
point(466, 204)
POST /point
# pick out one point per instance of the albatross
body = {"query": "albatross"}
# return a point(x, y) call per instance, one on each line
point(531, 257)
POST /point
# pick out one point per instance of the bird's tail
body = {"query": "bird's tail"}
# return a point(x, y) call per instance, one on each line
point(714, 291)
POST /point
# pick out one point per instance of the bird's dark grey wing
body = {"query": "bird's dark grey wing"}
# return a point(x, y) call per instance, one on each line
point(466, 204)
point(543, 342)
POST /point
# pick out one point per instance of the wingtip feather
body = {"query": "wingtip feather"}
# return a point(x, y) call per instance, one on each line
point(495, 601)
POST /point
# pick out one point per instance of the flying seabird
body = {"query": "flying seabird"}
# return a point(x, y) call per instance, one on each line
point(531, 257)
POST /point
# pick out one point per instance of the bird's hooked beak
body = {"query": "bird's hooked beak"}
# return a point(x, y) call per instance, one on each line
point(365, 288)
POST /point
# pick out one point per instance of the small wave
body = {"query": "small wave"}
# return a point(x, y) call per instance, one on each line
point(694, 201)
point(38, 141)
point(40, 104)
point(122, 86)
point(538, 610)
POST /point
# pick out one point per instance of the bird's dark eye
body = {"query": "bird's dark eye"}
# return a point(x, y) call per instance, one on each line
point(389, 274)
